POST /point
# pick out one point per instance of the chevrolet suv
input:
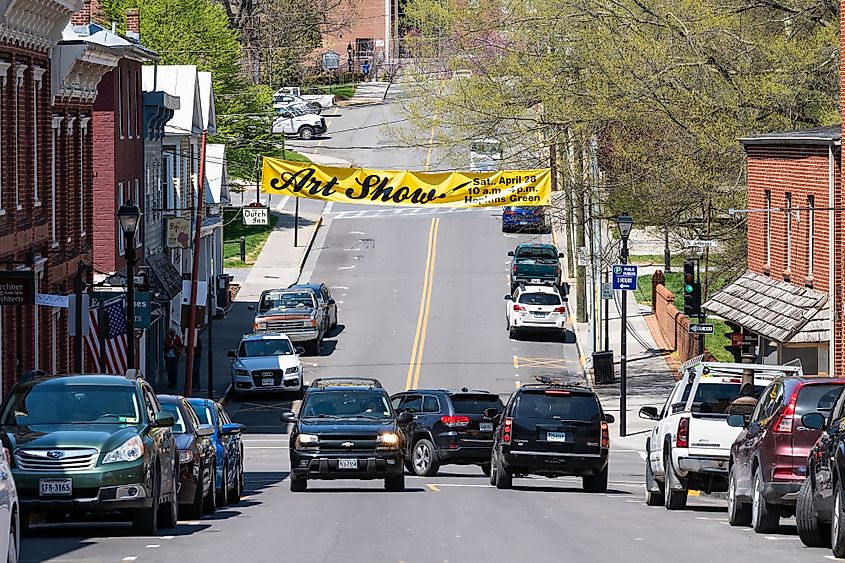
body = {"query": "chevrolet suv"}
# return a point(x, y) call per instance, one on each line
point(85, 444)
point(552, 429)
point(346, 429)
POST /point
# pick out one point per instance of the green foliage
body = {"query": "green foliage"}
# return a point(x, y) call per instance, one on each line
point(256, 236)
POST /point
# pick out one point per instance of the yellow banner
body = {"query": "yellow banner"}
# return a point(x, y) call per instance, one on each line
point(396, 188)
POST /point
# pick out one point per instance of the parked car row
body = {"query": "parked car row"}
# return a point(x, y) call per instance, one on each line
point(535, 303)
point(82, 445)
point(298, 114)
point(777, 452)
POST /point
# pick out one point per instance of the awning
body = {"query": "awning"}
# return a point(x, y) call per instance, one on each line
point(165, 279)
point(777, 310)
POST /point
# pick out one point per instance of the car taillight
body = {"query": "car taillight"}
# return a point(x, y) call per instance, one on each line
point(557, 392)
point(454, 420)
point(506, 430)
point(605, 436)
point(784, 424)
point(514, 268)
point(518, 307)
point(682, 436)
point(560, 309)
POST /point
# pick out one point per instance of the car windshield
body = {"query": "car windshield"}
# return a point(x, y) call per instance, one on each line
point(714, 398)
point(537, 253)
point(476, 403)
point(72, 404)
point(539, 299)
point(563, 405)
point(266, 347)
point(179, 425)
point(346, 404)
point(289, 300)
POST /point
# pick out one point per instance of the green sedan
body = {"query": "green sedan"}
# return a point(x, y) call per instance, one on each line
point(84, 444)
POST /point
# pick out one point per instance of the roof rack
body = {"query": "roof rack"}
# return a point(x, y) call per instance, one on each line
point(557, 381)
point(324, 382)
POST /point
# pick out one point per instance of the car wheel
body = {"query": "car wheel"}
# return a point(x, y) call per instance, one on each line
point(765, 517)
point(170, 512)
point(395, 483)
point(223, 493)
point(12, 551)
point(739, 513)
point(424, 458)
point(837, 531)
point(596, 483)
point(298, 484)
point(145, 520)
point(504, 478)
point(485, 468)
point(194, 511)
point(493, 468)
point(312, 347)
point(209, 504)
point(652, 498)
point(306, 132)
point(674, 499)
point(813, 533)
point(234, 495)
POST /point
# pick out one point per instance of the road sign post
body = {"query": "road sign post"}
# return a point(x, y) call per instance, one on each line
point(624, 277)
point(702, 328)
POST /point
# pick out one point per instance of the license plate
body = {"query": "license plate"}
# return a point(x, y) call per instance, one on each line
point(555, 436)
point(267, 381)
point(536, 280)
point(486, 426)
point(540, 315)
point(55, 487)
point(347, 464)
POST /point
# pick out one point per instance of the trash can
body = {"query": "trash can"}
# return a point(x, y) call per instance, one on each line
point(603, 367)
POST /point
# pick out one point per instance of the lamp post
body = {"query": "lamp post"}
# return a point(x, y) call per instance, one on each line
point(624, 222)
point(128, 215)
point(349, 56)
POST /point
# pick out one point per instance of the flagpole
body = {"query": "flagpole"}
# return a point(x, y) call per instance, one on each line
point(192, 304)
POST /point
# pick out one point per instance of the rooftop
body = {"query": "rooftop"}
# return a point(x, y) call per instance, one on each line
point(813, 136)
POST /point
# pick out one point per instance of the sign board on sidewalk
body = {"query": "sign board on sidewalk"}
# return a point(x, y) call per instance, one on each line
point(331, 60)
point(256, 215)
point(625, 277)
point(739, 340)
point(48, 300)
point(142, 304)
point(17, 287)
point(606, 290)
point(583, 256)
point(701, 243)
point(701, 328)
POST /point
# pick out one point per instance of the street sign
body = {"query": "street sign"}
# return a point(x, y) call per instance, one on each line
point(739, 340)
point(606, 290)
point(142, 304)
point(694, 243)
point(17, 287)
point(331, 60)
point(625, 277)
point(702, 328)
point(583, 256)
point(71, 322)
point(177, 232)
point(256, 215)
point(48, 300)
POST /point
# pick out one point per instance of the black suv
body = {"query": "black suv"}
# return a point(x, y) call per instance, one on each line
point(448, 427)
point(346, 429)
point(552, 429)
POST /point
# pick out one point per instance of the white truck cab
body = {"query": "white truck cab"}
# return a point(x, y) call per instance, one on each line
point(689, 447)
point(294, 121)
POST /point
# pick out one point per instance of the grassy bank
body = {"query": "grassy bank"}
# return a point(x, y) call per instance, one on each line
point(342, 91)
point(256, 236)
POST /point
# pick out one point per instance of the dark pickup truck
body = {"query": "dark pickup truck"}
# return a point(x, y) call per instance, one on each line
point(535, 263)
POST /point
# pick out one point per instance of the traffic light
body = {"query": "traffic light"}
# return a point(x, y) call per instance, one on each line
point(692, 291)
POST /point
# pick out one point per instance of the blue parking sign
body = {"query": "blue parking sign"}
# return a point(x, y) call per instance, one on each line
point(625, 277)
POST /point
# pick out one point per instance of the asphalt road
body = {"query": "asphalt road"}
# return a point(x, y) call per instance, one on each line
point(421, 305)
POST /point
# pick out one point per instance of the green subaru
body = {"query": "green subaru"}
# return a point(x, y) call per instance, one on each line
point(84, 444)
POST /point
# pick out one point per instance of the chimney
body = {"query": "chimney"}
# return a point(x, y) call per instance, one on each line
point(90, 13)
point(133, 23)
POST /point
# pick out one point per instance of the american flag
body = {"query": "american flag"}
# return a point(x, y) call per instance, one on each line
point(116, 341)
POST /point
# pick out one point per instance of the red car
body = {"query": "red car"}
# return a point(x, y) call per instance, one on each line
point(768, 461)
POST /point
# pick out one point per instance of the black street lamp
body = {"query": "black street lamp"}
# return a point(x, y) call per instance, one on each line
point(624, 222)
point(128, 215)
point(349, 56)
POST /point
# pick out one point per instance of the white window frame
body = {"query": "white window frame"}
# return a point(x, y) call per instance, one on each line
point(20, 70)
point(38, 81)
point(4, 71)
point(83, 132)
point(121, 240)
point(55, 133)
point(811, 233)
point(788, 198)
point(768, 197)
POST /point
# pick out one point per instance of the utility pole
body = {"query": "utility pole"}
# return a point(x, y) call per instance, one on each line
point(210, 307)
point(707, 248)
point(78, 288)
point(580, 270)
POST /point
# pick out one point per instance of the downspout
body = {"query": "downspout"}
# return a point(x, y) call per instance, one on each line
point(831, 191)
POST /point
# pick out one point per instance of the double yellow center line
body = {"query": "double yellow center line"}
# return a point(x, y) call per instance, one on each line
point(413, 379)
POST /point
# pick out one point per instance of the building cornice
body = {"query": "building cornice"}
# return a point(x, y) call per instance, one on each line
point(78, 68)
point(4, 71)
point(35, 24)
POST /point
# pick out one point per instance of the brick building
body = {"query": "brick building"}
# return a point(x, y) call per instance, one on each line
point(372, 33)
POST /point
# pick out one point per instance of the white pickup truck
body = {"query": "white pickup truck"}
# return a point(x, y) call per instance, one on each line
point(294, 121)
point(689, 447)
point(324, 100)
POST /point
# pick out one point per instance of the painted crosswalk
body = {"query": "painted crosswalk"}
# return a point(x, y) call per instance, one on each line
point(400, 212)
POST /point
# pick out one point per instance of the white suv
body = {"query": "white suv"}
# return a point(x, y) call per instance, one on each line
point(266, 362)
point(535, 307)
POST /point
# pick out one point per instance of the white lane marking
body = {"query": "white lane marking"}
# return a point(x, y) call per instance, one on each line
point(130, 558)
point(345, 267)
point(167, 537)
point(642, 454)
point(340, 214)
point(153, 545)
point(338, 287)
point(398, 211)
point(354, 232)
point(340, 302)
point(329, 205)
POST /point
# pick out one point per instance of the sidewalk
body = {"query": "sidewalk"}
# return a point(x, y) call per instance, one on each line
point(367, 93)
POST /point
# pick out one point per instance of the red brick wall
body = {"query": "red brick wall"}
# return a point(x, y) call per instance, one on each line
point(673, 324)
point(839, 248)
point(367, 22)
point(802, 171)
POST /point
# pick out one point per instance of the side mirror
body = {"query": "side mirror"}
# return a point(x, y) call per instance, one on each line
point(232, 429)
point(251, 307)
point(288, 416)
point(609, 418)
point(332, 301)
point(405, 417)
point(813, 421)
point(560, 255)
point(492, 412)
point(649, 413)
point(205, 430)
point(510, 253)
point(737, 421)
point(164, 420)
point(231, 353)
point(508, 297)
point(299, 350)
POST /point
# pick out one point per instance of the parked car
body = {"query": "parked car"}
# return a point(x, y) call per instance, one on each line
point(448, 427)
point(525, 219)
point(535, 263)
point(284, 101)
point(228, 446)
point(196, 457)
point(346, 429)
point(689, 447)
point(294, 313)
point(295, 121)
point(325, 101)
point(10, 522)
point(535, 308)
point(324, 299)
point(552, 429)
point(769, 457)
point(86, 444)
point(266, 362)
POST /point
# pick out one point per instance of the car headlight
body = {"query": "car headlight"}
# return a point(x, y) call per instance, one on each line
point(185, 456)
point(307, 440)
point(241, 372)
point(313, 322)
point(294, 369)
point(132, 449)
point(388, 440)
